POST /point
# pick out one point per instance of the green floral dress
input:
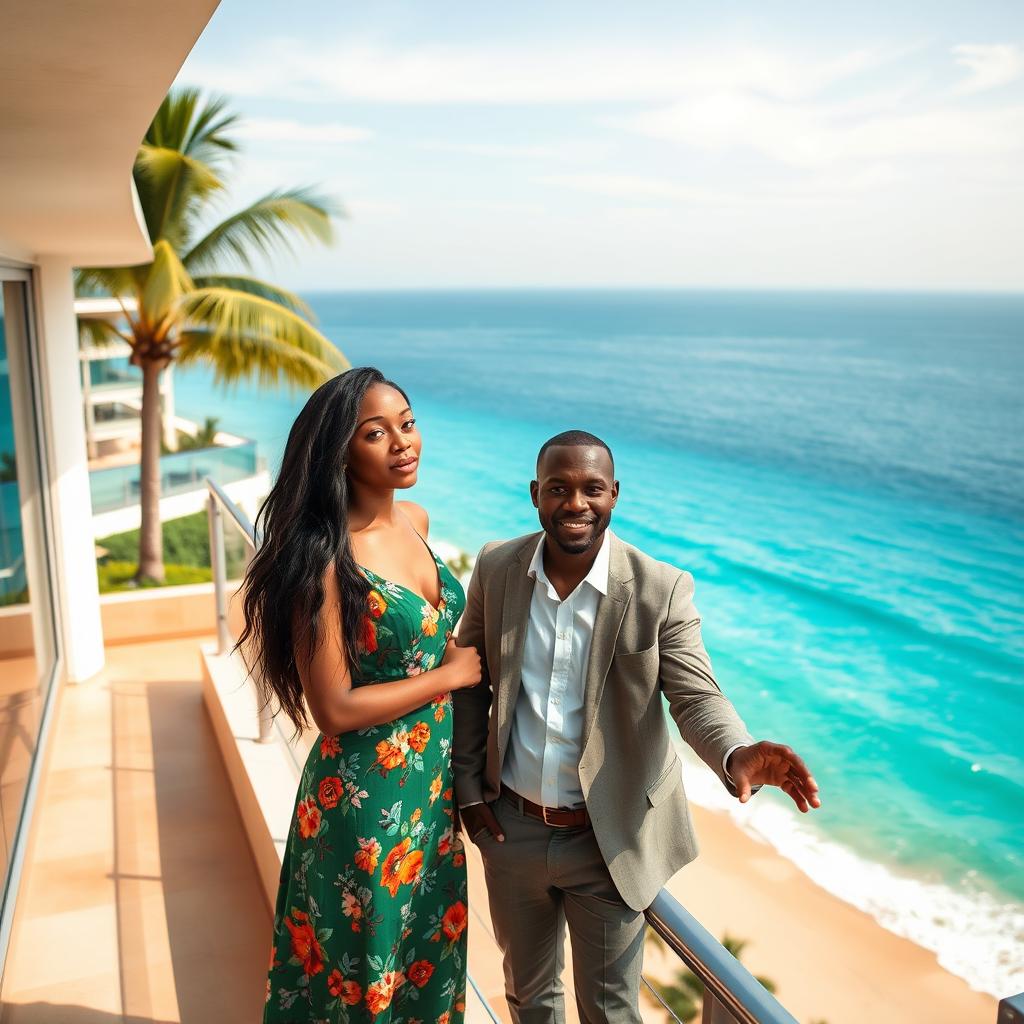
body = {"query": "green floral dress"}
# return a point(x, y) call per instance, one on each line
point(370, 923)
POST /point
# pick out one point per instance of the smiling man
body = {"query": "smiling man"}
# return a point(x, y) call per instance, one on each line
point(565, 773)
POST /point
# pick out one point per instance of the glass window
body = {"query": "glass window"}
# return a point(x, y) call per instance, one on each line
point(27, 634)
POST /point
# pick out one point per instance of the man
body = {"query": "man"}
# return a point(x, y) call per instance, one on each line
point(565, 773)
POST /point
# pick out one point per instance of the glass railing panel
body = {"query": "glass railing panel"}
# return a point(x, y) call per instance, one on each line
point(237, 550)
point(113, 414)
point(180, 472)
point(110, 372)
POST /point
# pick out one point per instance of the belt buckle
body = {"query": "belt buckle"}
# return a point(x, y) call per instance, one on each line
point(550, 824)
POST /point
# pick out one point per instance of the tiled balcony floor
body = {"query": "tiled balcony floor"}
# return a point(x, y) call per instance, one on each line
point(140, 900)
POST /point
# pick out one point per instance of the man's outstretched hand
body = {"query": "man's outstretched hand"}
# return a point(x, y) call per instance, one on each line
point(773, 764)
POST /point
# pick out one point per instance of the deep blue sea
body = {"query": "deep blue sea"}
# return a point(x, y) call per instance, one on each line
point(842, 473)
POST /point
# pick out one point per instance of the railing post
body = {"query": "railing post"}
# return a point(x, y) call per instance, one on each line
point(219, 573)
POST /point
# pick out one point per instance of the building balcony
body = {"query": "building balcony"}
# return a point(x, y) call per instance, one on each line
point(116, 489)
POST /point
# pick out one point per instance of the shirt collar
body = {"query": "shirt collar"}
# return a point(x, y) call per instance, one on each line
point(597, 577)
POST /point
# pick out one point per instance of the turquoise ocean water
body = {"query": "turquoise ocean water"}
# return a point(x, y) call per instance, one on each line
point(842, 474)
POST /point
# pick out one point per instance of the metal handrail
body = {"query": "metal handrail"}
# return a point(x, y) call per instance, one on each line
point(218, 503)
point(731, 992)
point(243, 522)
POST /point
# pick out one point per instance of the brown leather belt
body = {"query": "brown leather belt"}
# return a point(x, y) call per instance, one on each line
point(556, 817)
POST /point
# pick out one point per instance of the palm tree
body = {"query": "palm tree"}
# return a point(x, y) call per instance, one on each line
point(190, 308)
point(204, 437)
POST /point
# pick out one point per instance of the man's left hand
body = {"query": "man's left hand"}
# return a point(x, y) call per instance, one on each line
point(773, 764)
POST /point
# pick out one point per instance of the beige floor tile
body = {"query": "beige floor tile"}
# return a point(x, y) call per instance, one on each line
point(91, 999)
point(141, 902)
point(65, 947)
point(76, 882)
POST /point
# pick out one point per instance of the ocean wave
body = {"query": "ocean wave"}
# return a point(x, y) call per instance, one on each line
point(973, 934)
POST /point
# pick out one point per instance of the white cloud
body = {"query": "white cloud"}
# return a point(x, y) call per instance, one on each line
point(267, 129)
point(440, 75)
point(989, 66)
point(368, 209)
point(640, 189)
point(817, 135)
point(583, 151)
point(801, 191)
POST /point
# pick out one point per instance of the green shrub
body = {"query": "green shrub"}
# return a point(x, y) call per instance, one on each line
point(117, 575)
point(186, 542)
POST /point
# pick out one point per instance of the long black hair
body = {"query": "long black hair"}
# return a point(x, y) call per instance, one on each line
point(304, 525)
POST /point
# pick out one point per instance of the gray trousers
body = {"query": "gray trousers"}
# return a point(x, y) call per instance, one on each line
point(538, 880)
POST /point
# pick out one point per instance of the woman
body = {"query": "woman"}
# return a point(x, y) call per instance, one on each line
point(350, 613)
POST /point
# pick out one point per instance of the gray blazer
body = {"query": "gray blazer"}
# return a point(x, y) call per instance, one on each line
point(646, 643)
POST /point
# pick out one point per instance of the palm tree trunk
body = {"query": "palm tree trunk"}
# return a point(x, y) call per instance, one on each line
point(151, 545)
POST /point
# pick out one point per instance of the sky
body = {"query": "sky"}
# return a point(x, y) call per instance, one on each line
point(729, 145)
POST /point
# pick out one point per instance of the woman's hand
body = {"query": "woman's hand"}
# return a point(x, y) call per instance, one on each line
point(462, 665)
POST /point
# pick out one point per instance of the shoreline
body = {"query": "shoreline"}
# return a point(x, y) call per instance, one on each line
point(829, 960)
point(973, 937)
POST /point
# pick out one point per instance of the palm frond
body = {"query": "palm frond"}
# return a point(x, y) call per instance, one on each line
point(249, 356)
point(264, 226)
point(118, 281)
point(196, 129)
point(254, 286)
point(167, 283)
point(100, 332)
point(171, 187)
point(238, 314)
point(689, 981)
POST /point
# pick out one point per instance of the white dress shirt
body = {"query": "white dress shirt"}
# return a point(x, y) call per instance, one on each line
point(542, 763)
point(543, 757)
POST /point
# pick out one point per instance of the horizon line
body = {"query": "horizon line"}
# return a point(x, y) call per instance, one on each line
point(758, 289)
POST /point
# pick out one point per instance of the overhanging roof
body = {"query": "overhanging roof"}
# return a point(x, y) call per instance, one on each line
point(79, 85)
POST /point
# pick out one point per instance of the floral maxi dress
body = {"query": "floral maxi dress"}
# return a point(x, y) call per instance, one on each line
point(370, 922)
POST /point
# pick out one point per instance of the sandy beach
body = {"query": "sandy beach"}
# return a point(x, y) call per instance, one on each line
point(830, 961)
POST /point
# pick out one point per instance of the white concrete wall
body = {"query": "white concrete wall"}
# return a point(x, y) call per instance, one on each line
point(77, 592)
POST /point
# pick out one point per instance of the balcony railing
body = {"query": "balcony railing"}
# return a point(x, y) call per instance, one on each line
point(180, 472)
point(116, 372)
